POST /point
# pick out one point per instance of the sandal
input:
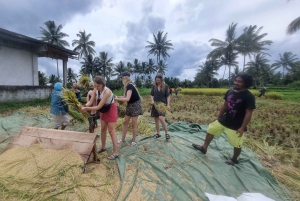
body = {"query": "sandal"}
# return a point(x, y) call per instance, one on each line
point(113, 156)
point(156, 136)
point(120, 140)
point(200, 148)
point(232, 162)
point(167, 136)
point(100, 150)
point(133, 144)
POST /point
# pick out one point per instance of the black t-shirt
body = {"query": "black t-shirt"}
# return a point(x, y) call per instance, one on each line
point(134, 96)
point(237, 103)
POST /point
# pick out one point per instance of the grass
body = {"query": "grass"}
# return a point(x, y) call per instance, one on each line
point(12, 106)
point(142, 91)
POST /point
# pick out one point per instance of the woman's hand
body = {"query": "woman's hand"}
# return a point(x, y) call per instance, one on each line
point(83, 109)
point(168, 107)
point(152, 102)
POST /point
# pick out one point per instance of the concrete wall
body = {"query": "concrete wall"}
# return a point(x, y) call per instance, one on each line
point(24, 93)
point(18, 67)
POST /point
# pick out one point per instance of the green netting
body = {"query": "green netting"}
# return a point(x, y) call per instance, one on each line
point(174, 170)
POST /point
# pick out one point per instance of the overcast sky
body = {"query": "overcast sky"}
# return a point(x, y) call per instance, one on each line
point(122, 27)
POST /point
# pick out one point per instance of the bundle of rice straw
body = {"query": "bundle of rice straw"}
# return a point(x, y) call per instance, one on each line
point(74, 106)
point(144, 128)
point(77, 115)
point(84, 81)
point(178, 89)
point(121, 109)
point(160, 107)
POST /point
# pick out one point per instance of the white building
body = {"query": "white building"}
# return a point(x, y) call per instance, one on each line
point(19, 58)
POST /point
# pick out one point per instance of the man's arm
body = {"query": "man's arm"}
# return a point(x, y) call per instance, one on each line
point(222, 110)
point(246, 120)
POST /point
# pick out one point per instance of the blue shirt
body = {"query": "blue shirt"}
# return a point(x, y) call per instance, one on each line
point(56, 105)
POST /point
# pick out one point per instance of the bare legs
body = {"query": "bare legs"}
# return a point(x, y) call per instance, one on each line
point(162, 121)
point(134, 127)
point(111, 127)
point(208, 139)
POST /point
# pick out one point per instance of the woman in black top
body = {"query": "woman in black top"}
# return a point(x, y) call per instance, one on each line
point(160, 93)
point(133, 108)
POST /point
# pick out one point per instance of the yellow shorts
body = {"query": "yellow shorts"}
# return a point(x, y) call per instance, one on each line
point(216, 129)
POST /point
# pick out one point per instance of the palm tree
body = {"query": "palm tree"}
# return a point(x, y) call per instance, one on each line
point(236, 71)
point(162, 67)
point(226, 50)
point(256, 66)
point(209, 69)
point(287, 61)
point(71, 76)
point(151, 67)
point(109, 73)
point(42, 79)
point(119, 69)
point(103, 62)
point(160, 46)
point(293, 26)
point(53, 35)
point(229, 59)
point(250, 42)
point(128, 67)
point(53, 79)
point(84, 46)
point(136, 67)
point(89, 66)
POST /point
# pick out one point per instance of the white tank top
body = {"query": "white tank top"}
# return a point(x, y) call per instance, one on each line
point(108, 101)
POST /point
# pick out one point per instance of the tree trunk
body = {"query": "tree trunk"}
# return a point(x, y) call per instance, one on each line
point(224, 72)
point(57, 68)
point(244, 63)
point(229, 75)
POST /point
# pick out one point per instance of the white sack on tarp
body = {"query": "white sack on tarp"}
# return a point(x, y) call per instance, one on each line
point(243, 197)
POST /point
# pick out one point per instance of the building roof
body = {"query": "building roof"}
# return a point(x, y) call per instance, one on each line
point(43, 49)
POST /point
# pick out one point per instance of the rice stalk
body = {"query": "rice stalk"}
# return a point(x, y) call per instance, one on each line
point(84, 81)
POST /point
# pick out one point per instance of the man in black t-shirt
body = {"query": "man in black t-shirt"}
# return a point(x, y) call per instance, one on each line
point(233, 117)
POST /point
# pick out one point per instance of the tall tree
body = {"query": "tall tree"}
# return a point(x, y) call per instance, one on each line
point(53, 35)
point(208, 70)
point(226, 50)
point(160, 46)
point(89, 66)
point(136, 67)
point(104, 62)
point(119, 68)
point(71, 76)
point(53, 79)
point(256, 66)
point(293, 26)
point(250, 42)
point(42, 79)
point(162, 67)
point(84, 46)
point(287, 61)
point(151, 67)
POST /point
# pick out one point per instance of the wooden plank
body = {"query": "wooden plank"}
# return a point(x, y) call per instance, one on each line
point(59, 134)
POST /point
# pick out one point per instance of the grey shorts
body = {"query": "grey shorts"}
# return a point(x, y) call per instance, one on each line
point(60, 120)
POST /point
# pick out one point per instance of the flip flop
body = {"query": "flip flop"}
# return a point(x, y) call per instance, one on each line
point(113, 156)
point(156, 136)
point(232, 162)
point(200, 148)
point(167, 136)
point(100, 150)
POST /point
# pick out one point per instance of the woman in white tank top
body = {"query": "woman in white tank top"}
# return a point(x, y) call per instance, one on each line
point(109, 118)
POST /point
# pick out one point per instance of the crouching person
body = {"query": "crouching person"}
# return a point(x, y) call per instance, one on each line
point(233, 117)
point(57, 110)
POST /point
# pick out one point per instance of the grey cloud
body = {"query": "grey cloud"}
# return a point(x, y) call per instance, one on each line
point(25, 17)
point(186, 55)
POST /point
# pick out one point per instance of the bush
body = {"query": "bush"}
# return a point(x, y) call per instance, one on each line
point(274, 96)
point(295, 85)
point(209, 91)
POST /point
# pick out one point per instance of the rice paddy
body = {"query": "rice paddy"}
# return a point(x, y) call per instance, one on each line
point(273, 134)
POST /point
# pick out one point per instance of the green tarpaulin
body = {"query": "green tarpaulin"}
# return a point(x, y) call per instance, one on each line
point(174, 170)
point(156, 169)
